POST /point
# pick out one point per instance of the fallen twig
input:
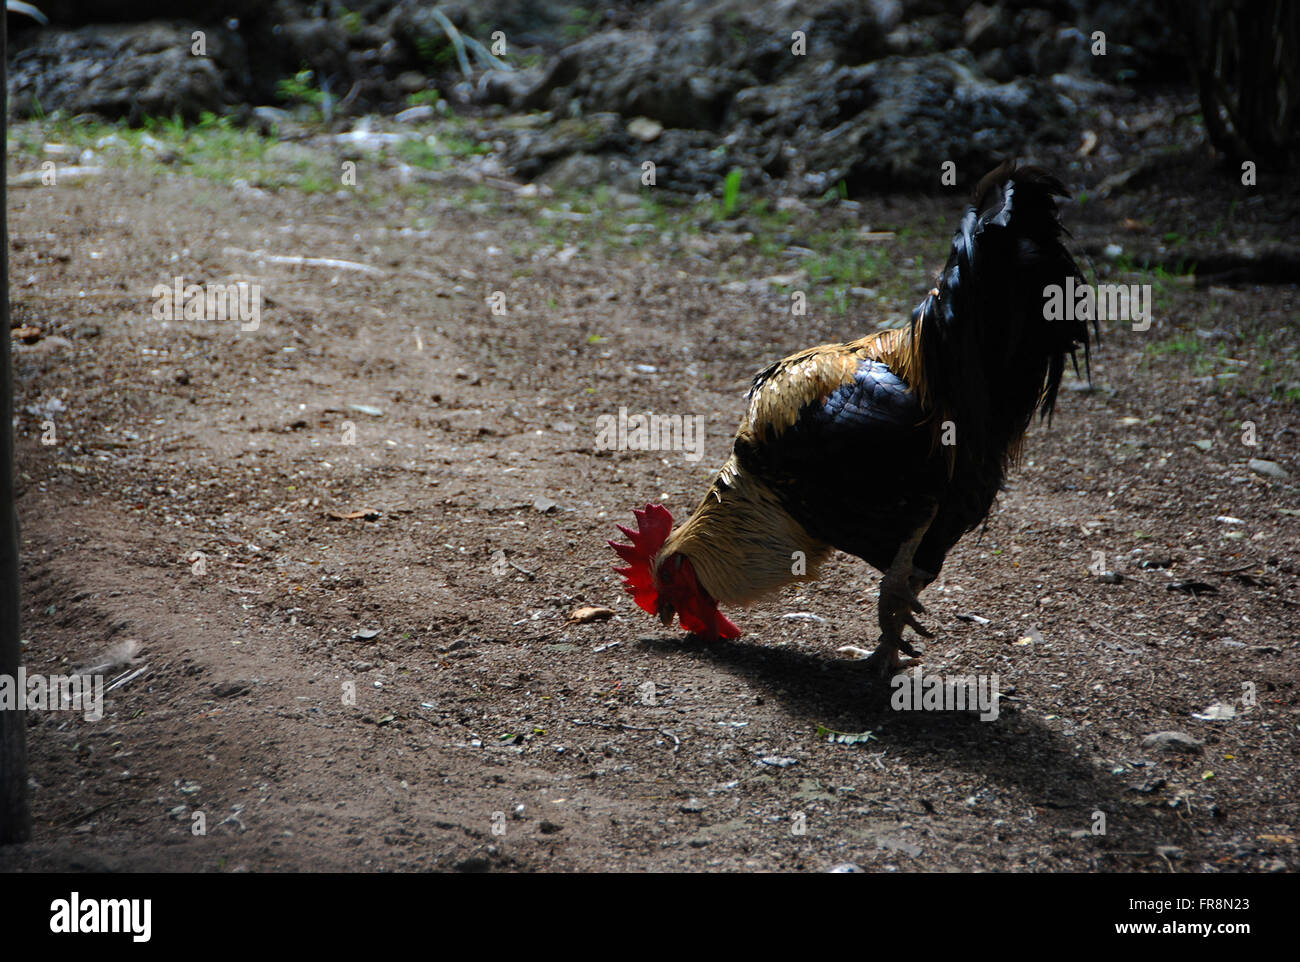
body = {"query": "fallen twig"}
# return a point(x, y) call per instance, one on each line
point(78, 819)
point(299, 261)
point(457, 41)
point(532, 575)
point(131, 677)
point(619, 726)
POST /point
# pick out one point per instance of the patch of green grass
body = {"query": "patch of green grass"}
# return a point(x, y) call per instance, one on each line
point(839, 192)
point(762, 209)
point(168, 128)
point(422, 97)
point(436, 151)
point(1183, 344)
point(215, 149)
point(312, 182)
point(300, 89)
point(666, 213)
point(352, 21)
point(850, 265)
point(1123, 264)
point(581, 23)
point(731, 191)
point(436, 51)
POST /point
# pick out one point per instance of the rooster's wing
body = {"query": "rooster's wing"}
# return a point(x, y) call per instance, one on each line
point(844, 443)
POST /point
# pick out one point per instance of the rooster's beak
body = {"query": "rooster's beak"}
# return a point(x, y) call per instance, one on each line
point(666, 613)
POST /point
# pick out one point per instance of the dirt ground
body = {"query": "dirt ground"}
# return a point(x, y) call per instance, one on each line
point(488, 734)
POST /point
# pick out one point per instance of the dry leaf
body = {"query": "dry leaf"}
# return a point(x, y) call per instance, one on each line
point(366, 515)
point(582, 616)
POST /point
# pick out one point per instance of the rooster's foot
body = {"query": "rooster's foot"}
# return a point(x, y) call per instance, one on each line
point(885, 661)
point(898, 608)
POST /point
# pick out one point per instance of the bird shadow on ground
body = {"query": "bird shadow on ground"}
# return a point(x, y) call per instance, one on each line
point(1014, 750)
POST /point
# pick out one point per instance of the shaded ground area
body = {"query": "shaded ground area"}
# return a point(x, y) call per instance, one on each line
point(486, 732)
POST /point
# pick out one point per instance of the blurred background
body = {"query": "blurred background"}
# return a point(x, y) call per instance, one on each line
point(883, 91)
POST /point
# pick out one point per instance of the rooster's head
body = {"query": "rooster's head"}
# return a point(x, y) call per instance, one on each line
point(665, 584)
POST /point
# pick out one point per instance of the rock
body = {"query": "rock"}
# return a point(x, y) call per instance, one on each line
point(644, 129)
point(691, 806)
point(131, 71)
point(48, 345)
point(508, 87)
point(1161, 561)
point(413, 115)
point(529, 151)
point(411, 81)
point(320, 43)
point(545, 505)
point(1219, 711)
point(1171, 741)
point(268, 119)
point(986, 27)
point(584, 171)
point(1083, 90)
point(1031, 636)
point(1270, 469)
point(675, 78)
point(844, 868)
point(684, 82)
point(203, 11)
point(229, 689)
point(897, 845)
point(883, 124)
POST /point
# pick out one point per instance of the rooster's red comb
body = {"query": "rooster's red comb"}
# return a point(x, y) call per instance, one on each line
point(654, 524)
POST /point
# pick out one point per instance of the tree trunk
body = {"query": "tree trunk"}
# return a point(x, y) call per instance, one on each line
point(1248, 71)
point(15, 820)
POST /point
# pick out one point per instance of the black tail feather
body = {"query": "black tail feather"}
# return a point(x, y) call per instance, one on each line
point(990, 356)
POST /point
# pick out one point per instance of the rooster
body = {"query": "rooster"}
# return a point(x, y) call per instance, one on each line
point(889, 447)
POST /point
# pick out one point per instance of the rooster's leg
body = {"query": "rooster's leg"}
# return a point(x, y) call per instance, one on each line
point(899, 605)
